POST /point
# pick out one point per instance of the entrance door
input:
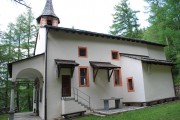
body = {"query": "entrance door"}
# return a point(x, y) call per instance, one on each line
point(66, 86)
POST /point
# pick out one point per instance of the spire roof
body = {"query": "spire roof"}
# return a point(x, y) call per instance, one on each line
point(48, 11)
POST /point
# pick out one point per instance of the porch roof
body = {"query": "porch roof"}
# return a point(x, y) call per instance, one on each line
point(147, 59)
point(66, 63)
point(103, 65)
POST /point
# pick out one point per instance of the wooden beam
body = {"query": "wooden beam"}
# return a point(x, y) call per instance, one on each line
point(72, 71)
point(59, 70)
point(95, 73)
point(109, 75)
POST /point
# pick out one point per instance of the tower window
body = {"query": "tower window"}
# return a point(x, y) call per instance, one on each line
point(49, 22)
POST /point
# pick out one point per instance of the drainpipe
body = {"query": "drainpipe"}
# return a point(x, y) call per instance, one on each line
point(46, 46)
point(11, 112)
point(173, 80)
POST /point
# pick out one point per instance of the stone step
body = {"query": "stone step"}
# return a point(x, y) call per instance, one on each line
point(98, 114)
point(68, 98)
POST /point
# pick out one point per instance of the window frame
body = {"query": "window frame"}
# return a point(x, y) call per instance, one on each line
point(117, 52)
point(128, 85)
point(80, 47)
point(119, 77)
point(87, 76)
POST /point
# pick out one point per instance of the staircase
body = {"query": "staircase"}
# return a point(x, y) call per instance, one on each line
point(79, 97)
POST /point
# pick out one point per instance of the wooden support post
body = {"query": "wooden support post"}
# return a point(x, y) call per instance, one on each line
point(59, 70)
point(72, 71)
point(95, 73)
point(109, 75)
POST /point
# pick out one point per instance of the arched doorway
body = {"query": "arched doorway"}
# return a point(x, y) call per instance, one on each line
point(28, 77)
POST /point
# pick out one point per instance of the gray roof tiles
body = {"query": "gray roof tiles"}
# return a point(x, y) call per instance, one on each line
point(103, 65)
point(147, 59)
point(66, 63)
point(48, 11)
point(70, 30)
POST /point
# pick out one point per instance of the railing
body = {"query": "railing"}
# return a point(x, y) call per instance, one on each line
point(77, 95)
point(81, 97)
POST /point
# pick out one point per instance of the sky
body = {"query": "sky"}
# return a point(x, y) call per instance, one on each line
point(90, 15)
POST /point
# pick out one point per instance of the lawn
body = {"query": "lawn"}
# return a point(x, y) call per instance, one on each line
point(4, 117)
point(166, 111)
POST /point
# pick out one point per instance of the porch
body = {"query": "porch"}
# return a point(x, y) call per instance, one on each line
point(103, 112)
point(26, 116)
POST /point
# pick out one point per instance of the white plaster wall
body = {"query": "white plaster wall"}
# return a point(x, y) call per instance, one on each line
point(71, 106)
point(27, 69)
point(41, 41)
point(62, 45)
point(41, 103)
point(53, 91)
point(36, 63)
point(156, 52)
point(132, 68)
point(158, 82)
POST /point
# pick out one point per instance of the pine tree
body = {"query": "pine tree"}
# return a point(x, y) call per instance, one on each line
point(16, 43)
point(125, 21)
point(165, 28)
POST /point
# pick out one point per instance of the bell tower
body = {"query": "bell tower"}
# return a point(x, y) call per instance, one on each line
point(48, 17)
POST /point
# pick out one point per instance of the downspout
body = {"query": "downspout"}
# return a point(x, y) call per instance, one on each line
point(46, 46)
point(173, 80)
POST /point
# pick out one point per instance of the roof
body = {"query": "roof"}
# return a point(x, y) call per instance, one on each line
point(27, 58)
point(147, 59)
point(48, 11)
point(10, 64)
point(66, 63)
point(103, 65)
point(89, 33)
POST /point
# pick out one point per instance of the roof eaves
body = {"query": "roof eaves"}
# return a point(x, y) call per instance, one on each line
point(149, 60)
point(27, 58)
point(104, 35)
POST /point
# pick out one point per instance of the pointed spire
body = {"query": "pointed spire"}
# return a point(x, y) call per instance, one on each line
point(48, 11)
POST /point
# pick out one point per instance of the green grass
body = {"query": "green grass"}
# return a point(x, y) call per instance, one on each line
point(167, 111)
point(4, 117)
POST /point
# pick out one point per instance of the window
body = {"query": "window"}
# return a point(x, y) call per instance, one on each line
point(82, 51)
point(117, 77)
point(49, 22)
point(130, 84)
point(83, 76)
point(115, 55)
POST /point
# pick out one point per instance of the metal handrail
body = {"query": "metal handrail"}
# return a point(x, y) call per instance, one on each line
point(77, 96)
point(81, 92)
